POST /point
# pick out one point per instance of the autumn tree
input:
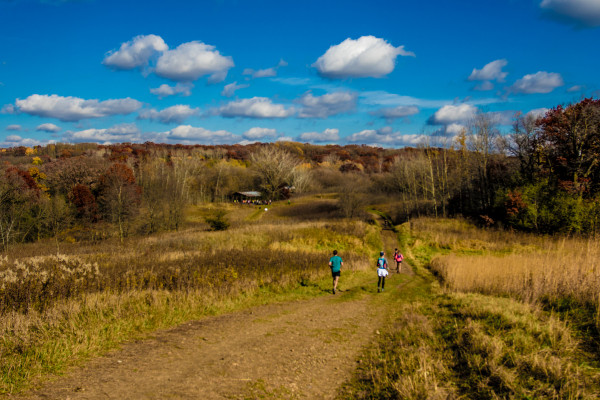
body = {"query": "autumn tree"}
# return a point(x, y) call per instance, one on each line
point(19, 205)
point(275, 168)
point(571, 140)
point(119, 196)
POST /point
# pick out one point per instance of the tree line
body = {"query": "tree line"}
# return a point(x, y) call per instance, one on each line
point(543, 176)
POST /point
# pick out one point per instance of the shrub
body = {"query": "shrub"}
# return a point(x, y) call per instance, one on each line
point(217, 221)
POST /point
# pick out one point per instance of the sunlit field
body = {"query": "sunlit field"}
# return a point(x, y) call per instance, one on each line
point(530, 268)
point(56, 307)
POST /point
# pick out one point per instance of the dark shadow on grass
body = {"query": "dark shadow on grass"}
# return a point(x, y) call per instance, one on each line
point(324, 209)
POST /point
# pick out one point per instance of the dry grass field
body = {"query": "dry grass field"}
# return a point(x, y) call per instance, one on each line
point(56, 310)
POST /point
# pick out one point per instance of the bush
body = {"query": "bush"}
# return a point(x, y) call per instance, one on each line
point(218, 222)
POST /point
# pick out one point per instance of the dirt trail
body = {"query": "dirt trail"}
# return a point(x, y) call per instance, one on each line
point(295, 350)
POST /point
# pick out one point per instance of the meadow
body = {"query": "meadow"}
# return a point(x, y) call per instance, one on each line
point(542, 270)
point(492, 314)
point(488, 314)
point(57, 310)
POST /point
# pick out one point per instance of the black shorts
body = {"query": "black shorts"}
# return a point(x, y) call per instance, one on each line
point(337, 273)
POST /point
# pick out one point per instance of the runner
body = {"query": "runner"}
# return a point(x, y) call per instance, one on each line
point(335, 263)
point(382, 271)
point(398, 257)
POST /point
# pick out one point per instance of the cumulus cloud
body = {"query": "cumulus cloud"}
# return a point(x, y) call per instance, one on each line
point(74, 108)
point(367, 56)
point(230, 89)
point(47, 128)
point(490, 72)
point(189, 134)
point(116, 134)
point(454, 129)
point(385, 137)
point(164, 90)
point(451, 114)
point(578, 12)
point(177, 114)
point(256, 107)
point(328, 135)
point(285, 139)
point(391, 113)
point(135, 53)
point(326, 105)
point(540, 82)
point(16, 141)
point(14, 127)
point(259, 133)
point(537, 113)
point(189, 61)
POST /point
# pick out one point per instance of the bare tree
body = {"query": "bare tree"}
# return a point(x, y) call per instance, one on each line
point(483, 141)
point(275, 169)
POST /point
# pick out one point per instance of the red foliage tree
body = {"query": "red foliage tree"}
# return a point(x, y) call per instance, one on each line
point(571, 141)
point(87, 208)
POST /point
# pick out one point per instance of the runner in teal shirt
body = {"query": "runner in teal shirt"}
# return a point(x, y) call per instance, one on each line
point(335, 263)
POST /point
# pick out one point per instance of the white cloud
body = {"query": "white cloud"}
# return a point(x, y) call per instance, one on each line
point(385, 137)
point(16, 141)
point(538, 112)
point(229, 90)
point(74, 108)
point(189, 61)
point(367, 56)
point(259, 133)
point(396, 112)
point(14, 127)
point(454, 129)
point(327, 105)
point(261, 73)
point(177, 113)
point(265, 73)
point(580, 12)
point(490, 72)
point(135, 53)
point(164, 90)
point(256, 107)
point(328, 135)
point(116, 134)
point(576, 88)
point(48, 128)
point(285, 139)
point(452, 114)
point(8, 109)
point(540, 82)
point(189, 134)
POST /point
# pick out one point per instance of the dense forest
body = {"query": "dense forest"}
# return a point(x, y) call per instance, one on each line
point(543, 176)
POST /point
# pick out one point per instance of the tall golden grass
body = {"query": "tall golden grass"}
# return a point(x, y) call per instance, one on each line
point(566, 268)
point(529, 267)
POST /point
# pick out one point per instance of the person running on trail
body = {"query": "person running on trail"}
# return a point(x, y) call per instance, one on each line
point(335, 263)
point(382, 271)
point(398, 257)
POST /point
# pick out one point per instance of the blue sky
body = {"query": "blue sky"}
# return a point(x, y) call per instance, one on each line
point(385, 73)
